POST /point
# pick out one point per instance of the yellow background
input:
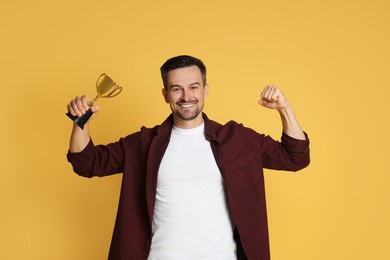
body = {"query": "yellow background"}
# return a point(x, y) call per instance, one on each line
point(331, 58)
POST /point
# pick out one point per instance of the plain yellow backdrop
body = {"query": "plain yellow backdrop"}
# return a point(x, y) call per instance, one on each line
point(331, 59)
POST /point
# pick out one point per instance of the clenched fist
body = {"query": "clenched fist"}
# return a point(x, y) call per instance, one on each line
point(273, 98)
point(79, 105)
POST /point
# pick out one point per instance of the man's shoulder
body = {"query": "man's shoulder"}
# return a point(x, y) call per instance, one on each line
point(146, 129)
point(143, 132)
point(226, 126)
point(229, 129)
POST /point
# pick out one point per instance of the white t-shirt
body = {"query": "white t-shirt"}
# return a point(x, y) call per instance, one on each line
point(191, 217)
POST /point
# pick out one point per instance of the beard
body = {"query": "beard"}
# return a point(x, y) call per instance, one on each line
point(187, 114)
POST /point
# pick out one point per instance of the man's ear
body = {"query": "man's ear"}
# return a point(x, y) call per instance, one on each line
point(206, 91)
point(165, 93)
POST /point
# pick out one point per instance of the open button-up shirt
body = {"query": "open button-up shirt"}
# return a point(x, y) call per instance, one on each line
point(240, 153)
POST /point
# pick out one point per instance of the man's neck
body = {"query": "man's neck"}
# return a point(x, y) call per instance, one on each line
point(187, 124)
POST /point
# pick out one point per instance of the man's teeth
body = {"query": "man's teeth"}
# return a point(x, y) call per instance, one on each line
point(187, 105)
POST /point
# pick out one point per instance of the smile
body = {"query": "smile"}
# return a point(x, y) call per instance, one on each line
point(186, 105)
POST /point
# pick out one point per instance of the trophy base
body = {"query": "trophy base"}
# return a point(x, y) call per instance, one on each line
point(80, 120)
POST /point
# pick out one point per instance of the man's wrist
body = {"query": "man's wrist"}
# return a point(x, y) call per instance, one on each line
point(285, 109)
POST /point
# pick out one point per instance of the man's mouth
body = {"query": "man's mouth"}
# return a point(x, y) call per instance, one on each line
point(186, 105)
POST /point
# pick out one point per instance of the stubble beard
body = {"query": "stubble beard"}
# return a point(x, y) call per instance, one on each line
point(187, 116)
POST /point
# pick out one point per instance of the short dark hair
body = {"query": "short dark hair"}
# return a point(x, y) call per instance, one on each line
point(182, 61)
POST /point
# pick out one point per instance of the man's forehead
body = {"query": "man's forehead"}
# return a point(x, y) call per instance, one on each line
point(184, 76)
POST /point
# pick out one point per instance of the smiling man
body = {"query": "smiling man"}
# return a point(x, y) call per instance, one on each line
point(192, 188)
point(185, 92)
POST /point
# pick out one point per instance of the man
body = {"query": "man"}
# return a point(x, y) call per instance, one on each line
point(192, 188)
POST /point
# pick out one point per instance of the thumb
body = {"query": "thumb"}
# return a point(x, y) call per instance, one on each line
point(267, 104)
point(94, 109)
point(262, 102)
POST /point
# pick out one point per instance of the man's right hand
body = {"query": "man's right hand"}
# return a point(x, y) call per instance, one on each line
point(79, 105)
point(79, 138)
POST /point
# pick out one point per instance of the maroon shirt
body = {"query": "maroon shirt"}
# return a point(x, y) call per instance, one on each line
point(240, 153)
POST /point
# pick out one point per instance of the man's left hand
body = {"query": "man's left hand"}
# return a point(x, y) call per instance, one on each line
point(273, 98)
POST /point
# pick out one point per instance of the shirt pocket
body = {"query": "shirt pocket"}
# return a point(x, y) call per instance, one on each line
point(244, 172)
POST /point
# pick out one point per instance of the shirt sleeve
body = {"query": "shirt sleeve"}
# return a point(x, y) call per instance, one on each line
point(100, 160)
point(290, 154)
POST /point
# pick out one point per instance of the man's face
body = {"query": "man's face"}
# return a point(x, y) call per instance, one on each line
point(185, 94)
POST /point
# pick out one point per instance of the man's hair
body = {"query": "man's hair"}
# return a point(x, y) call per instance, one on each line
point(182, 61)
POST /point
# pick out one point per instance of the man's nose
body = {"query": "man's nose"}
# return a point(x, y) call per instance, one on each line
point(185, 95)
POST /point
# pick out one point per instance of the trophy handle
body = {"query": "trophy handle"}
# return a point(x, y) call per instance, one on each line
point(80, 120)
point(115, 92)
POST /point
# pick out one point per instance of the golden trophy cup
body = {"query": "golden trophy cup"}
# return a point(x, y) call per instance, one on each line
point(105, 88)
